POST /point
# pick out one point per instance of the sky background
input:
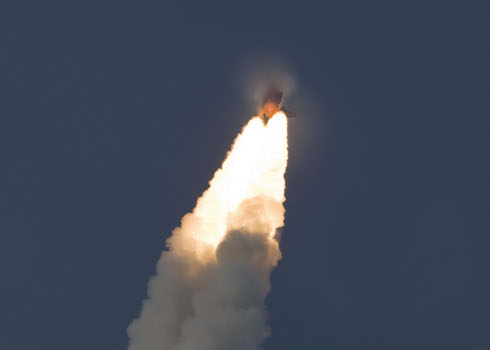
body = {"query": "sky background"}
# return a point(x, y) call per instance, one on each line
point(114, 115)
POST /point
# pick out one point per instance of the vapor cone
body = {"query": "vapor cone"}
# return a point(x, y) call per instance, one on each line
point(210, 286)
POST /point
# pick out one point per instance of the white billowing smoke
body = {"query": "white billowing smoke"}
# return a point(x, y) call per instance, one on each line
point(210, 286)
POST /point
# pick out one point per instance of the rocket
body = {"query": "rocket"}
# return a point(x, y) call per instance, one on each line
point(272, 103)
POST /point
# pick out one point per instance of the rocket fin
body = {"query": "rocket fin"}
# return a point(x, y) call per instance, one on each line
point(288, 113)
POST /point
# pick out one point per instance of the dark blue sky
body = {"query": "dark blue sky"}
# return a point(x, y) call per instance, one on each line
point(114, 115)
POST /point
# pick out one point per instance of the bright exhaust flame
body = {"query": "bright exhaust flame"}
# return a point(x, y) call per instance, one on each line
point(211, 284)
point(255, 166)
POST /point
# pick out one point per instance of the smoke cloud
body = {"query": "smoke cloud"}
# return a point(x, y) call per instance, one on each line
point(211, 283)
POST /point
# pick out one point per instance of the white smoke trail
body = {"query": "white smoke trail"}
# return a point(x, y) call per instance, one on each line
point(210, 286)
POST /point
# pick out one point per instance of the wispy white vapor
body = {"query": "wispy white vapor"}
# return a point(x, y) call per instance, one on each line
point(211, 283)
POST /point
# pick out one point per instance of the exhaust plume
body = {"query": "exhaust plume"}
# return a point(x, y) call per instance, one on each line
point(211, 283)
